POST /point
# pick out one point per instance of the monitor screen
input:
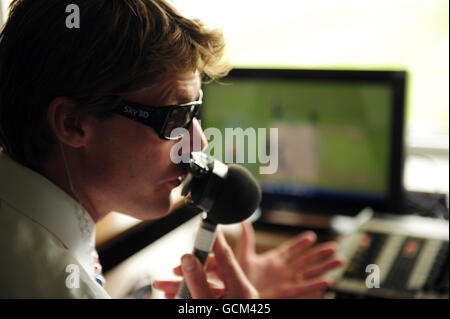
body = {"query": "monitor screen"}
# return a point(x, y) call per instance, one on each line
point(310, 135)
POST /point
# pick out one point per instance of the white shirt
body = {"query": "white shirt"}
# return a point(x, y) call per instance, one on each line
point(47, 239)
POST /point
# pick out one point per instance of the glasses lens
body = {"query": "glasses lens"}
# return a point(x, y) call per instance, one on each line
point(179, 117)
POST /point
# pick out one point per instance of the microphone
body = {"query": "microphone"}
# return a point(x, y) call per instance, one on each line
point(227, 194)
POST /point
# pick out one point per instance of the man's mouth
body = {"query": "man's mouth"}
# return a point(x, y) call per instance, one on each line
point(175, 182)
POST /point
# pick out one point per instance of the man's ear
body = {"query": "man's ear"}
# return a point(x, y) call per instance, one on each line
point(65, 122)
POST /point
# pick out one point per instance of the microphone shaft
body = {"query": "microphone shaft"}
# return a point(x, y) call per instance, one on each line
point(204, 242)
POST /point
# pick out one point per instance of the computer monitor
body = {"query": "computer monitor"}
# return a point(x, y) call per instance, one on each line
point(340, 135)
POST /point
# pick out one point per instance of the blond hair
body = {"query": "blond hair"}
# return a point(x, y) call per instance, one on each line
point(121, 45)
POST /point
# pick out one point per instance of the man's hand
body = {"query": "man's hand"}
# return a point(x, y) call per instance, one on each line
point(224, 265)
point(289, 270)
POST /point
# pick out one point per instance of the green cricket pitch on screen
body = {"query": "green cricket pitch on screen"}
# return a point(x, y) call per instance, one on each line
point(332, 136)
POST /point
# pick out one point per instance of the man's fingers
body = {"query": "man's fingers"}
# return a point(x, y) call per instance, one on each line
point(315, 255)
point(169, 295)
point(170, 288)
point(211, 264)
point(217, 293)
point(178, 271)
point(323, 267)
point(230, 272)
point(210, 267)
point(246, 244)
point(195, 277)
point(290, 249)
point(167, 286)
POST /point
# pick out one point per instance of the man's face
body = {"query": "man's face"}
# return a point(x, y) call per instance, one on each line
point(128, 167)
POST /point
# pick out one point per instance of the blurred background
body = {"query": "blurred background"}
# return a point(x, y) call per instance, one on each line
point(346, 34)
point(400, 34)
point(411, 35)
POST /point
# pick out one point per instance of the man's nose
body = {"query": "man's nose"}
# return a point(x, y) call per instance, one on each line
point(198, 141)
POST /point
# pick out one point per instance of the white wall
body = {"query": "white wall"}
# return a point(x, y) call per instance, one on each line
point(2, 14)
point(3, 10)
point(361, 34)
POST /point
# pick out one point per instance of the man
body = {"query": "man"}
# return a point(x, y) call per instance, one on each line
point(73, 150)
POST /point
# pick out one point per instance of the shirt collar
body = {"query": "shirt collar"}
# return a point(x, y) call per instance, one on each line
point(41, 200)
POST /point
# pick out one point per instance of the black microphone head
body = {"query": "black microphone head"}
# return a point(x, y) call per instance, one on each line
point(239, 197)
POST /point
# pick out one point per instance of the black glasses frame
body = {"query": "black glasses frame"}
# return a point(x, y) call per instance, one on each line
point(163, 119)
